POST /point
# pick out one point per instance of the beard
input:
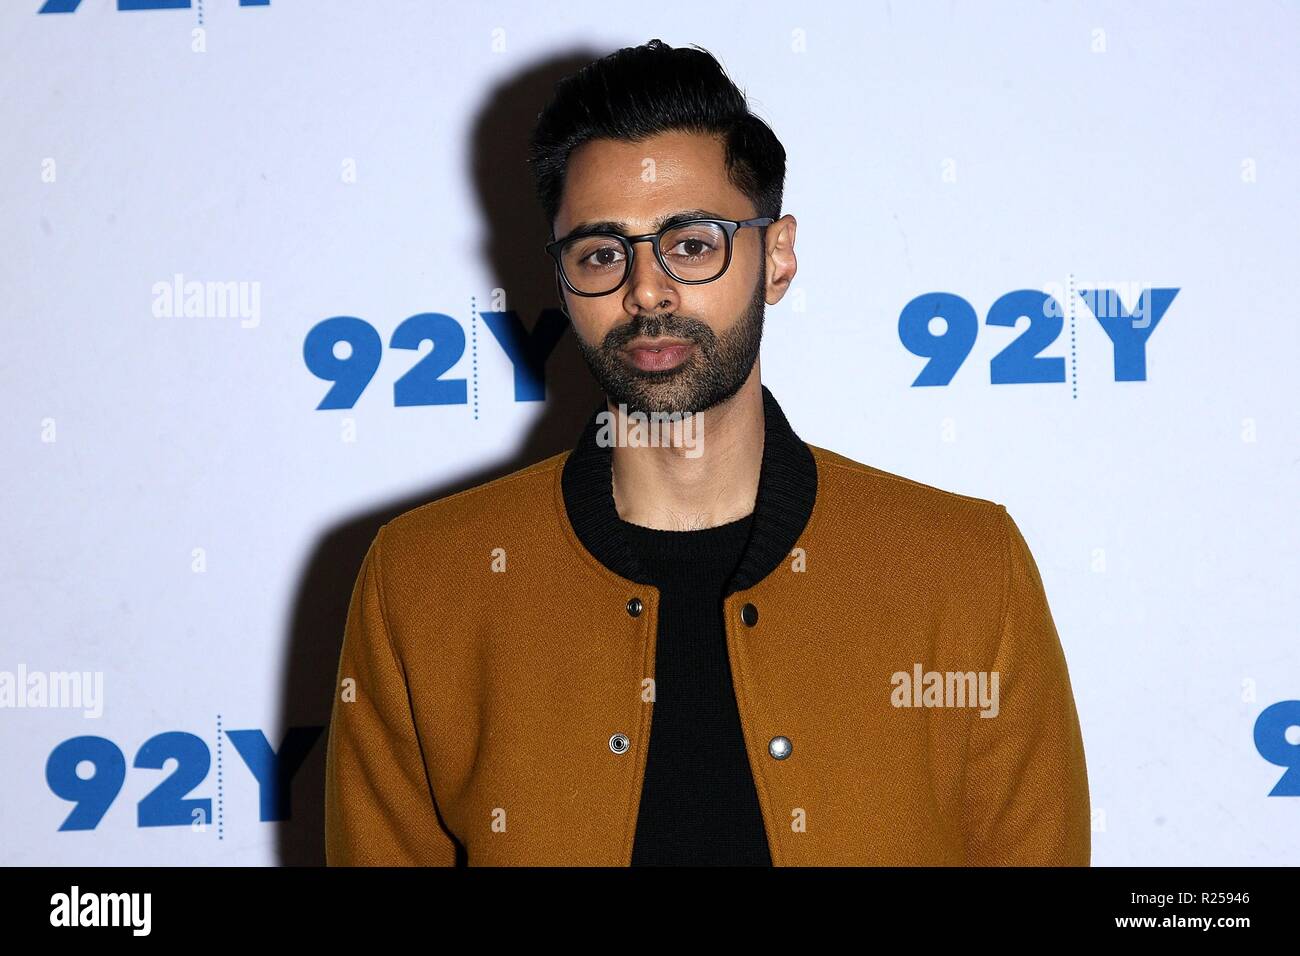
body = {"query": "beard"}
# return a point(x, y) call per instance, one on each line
point(715, 370)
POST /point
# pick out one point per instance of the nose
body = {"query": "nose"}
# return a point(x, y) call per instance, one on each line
point(649, 287)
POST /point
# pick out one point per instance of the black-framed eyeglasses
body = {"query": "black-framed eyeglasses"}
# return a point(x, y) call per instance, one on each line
point(692, 251)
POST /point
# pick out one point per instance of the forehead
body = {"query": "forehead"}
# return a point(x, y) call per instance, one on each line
point(638, 182)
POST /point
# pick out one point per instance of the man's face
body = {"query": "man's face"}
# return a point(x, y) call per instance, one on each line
point(708, 334)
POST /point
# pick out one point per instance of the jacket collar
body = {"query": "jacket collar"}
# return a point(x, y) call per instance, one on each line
point(787, 488)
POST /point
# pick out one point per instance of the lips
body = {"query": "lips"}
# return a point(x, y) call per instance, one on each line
point(657, 355)
point(644, 342)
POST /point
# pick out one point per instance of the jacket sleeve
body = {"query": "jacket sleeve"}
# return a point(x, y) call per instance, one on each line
point(379, 806)
point(1026, 789)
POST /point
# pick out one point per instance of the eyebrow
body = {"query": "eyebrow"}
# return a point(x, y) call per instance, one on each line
point(623, 228)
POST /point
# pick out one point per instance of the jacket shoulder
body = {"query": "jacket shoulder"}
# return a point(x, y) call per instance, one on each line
point(917, 535)
point(518, 496)
point(899, 488)
point(910, 516)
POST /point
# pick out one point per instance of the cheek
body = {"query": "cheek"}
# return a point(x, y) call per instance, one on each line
point(723, 300)
point(590, 322)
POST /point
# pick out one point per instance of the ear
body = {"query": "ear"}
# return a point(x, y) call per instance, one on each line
point(781, 262)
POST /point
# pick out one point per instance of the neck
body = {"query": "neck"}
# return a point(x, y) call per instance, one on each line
point(676, 488)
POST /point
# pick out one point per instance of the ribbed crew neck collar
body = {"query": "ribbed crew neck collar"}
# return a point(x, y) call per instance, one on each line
point(787, 488)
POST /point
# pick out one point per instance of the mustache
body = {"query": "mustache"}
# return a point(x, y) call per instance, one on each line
point(656, 326)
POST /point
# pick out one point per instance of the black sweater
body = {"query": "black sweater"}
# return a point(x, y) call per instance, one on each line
point(698, 802)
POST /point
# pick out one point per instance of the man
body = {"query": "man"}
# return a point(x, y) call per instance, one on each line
point(724, 646)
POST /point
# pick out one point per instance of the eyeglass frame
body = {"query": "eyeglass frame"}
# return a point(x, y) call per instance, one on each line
point(731, 226)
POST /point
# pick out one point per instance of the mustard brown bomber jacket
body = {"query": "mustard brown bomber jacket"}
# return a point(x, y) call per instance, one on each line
point(902, 689)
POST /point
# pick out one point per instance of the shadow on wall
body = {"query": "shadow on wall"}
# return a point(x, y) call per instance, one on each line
point(516, 230)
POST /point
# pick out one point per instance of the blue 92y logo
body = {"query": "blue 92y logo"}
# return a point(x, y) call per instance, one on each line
point(1021, 360)
point(169, 804)
point(423, 383)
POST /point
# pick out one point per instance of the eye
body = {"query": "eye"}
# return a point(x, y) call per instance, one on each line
point(692, 247)
point(605, 255)
point(594, 254)
point(693, 242)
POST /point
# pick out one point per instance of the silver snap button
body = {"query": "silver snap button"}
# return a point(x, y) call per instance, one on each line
point(780, 747)
point(634, 606)
point(619, 743)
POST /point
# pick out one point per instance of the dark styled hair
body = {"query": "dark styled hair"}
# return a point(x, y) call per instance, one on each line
point(654, 88)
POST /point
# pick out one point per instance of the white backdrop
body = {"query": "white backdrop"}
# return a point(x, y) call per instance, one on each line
point(183, 524)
